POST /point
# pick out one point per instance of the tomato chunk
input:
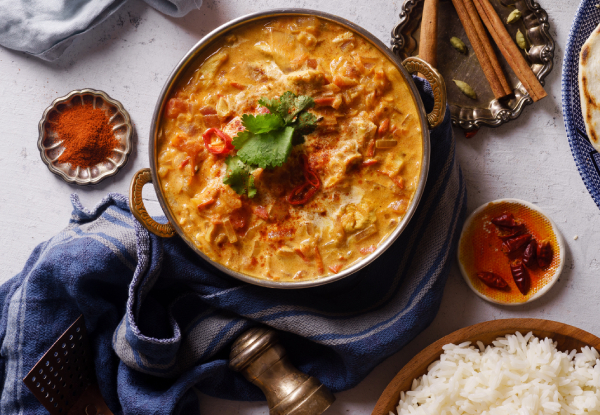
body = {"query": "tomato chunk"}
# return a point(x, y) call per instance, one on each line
point(176, 106)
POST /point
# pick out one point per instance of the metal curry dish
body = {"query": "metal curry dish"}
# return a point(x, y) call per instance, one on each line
point(288, 149)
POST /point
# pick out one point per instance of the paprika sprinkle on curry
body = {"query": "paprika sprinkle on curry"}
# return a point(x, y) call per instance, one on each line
point(86, 135)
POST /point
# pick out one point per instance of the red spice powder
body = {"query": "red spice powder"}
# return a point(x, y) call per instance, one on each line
point(86, 134)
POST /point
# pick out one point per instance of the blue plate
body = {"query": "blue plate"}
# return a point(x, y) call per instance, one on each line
point(586, 157)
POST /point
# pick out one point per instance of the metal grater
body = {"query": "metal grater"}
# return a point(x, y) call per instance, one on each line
point(64, 380)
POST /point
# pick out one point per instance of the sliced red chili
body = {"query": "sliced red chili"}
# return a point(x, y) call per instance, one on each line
point(529, 255)
point(544, 254)
point(513, 244)
point(224, 146)
point(300, 195)
point(309, 175)
point(521, 276)
point(493, 281)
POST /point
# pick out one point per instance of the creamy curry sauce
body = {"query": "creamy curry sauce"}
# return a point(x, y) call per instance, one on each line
point(367, 150)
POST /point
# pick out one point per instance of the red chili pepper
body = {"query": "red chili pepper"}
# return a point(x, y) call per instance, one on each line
point(471, 134)
point(370, 162)
point(309, 175)
point(301, 254)
point(507, 220)
point(296, 198)
point(521, 276)
point(513, 244)
point(335, 268)
point(371, 148)
point(544, 254)
point(221, 148)
point(184, 163)
point(505, 233)
point(530, 253)
point(312, 184)
point(493, 281)
point(384, 127)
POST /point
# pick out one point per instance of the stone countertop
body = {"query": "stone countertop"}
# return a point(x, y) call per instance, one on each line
point(130, 56)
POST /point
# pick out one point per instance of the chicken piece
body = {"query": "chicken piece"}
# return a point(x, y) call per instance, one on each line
point(361, 130)
point(356, 217)
point(308, 40)
point(264, 71)
point(344, 156)
point(306, 82)
point(233, 127)
point(206, 74)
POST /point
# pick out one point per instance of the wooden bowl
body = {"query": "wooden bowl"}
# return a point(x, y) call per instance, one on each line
point(567, 338)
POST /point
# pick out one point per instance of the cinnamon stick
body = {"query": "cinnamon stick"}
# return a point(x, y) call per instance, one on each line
point(510, 50)
point(477, 40)
point(487, 45)
point(428, 41)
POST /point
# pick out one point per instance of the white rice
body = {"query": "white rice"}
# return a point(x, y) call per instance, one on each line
point(515, 376)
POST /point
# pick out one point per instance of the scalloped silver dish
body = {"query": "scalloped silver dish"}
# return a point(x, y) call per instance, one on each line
point(51, 148)
point(486, 110)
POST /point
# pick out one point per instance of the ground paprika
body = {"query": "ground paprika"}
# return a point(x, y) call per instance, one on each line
point(86, 134)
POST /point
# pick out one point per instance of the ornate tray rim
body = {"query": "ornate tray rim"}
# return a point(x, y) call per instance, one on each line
point(506, 114)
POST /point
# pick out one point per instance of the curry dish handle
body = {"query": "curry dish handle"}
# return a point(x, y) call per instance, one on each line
point(438, 86)
point(136, 205)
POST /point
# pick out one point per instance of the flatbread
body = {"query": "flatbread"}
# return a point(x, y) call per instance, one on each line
point(589, 86)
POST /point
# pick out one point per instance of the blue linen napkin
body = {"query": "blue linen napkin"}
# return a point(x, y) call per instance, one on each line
point(161, 320)
point(45, 28)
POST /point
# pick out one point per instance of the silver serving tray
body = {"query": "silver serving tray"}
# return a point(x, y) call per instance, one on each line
point(467, 113)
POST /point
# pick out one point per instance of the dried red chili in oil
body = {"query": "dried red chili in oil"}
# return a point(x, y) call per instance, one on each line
point(521, 276)
point(544, 254)
point(529, 255)
point(86, 135)
point(493, 281)
point(519, 229)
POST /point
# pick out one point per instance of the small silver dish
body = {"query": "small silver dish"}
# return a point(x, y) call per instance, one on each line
point(51, 148)
point(486, 110)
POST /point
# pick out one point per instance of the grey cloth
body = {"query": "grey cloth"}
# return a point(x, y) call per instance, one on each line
point(45, 28)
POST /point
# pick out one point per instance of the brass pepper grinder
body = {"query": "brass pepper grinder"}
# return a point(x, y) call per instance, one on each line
point(263, 361)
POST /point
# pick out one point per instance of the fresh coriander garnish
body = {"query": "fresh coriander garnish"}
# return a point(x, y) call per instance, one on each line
point(267, 139)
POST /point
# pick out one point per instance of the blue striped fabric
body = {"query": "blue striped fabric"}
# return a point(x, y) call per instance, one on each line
point(161, 320)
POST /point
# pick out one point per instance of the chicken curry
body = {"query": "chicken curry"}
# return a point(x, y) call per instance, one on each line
point(291, 151)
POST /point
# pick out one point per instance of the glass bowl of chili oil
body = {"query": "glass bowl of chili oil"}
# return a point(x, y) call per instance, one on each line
point(510, 252)
point(85, 137)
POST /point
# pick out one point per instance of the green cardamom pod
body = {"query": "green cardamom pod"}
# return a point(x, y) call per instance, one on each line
point(465, 88)
point(459, 45)
point(521, 40)
point(513, 16)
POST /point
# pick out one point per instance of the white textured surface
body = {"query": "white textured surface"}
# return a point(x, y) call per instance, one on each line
point(130, 55)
